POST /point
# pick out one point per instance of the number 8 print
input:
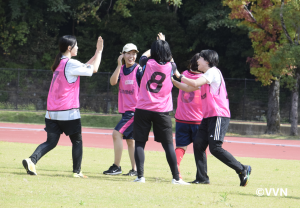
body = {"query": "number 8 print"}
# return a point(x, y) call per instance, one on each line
point(158, 82)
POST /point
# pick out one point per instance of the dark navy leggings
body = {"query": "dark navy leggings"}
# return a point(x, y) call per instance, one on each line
point(52, 140)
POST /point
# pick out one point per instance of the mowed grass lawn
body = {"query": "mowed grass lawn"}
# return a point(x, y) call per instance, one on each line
point(54, 186)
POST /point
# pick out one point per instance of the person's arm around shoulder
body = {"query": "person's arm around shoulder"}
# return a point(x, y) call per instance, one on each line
point(182, 86)
point(98, 54)
point(115, 76)
point(191, 82)
point(194, 83)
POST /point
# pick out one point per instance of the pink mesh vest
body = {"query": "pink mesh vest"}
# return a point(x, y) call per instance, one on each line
point(128, 91)
point(156, 88)
point(215, 104)
point(62, 94)
point(189, 105)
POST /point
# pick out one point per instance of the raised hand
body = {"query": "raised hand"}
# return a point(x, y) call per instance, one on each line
point(100, 44)
point(161, 36)
point(120, 59)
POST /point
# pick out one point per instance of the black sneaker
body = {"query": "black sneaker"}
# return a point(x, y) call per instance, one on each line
point(131, 173)
point(113, 170)
point(244, 175)
point(199, 182)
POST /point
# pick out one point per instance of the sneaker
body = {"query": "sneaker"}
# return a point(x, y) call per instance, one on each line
point(79, 175)
point(29, 166)
point(113, 170)
point(179, 182)
point(245, 175)
point(140, 180)
point(131, 173)
point(199, 182)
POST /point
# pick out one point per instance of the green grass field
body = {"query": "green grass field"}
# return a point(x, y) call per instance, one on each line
point(54, 186)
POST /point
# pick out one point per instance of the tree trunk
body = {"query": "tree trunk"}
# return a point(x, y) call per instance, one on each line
point(273, 115)
point(294, 106)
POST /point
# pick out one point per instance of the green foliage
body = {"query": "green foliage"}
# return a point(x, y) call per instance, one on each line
point(264, 32)
point(170, 2)
point(209, 27)
point(287, 59)
point(291, 15)
point(121, 7)
point(58, 6)
point(197, 25)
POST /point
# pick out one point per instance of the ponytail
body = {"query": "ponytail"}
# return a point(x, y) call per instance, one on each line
point(56, 62)
point(64, 42)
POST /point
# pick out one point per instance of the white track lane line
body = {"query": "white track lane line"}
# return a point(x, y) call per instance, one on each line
point(228, 141)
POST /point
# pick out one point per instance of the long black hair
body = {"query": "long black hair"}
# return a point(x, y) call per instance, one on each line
point(210, 56)
point(160, 51)
point(63, 43)
point(193, 62)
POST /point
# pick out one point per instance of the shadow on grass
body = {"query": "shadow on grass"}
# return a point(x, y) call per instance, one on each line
point(92, 175)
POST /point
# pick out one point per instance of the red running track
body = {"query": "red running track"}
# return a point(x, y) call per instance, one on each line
point(101, 138)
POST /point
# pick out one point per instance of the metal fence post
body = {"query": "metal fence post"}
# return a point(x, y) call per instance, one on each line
point(244, 100)
point(107, 101)
point(17, 89)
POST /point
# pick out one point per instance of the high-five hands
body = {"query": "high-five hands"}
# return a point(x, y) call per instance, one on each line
point(100, 44)
point(161, 36)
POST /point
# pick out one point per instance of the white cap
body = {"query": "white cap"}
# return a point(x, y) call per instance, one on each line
point(129, 47)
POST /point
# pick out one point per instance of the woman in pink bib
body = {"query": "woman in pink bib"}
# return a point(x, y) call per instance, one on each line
point(63, 114)
point(216, 117)
point(128, 74)
point(188, 114)
point(153, 106)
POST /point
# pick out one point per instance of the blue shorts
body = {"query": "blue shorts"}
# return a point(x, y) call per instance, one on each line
point(185, 133)
point(125, 126)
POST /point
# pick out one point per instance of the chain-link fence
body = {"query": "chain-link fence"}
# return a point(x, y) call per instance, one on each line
point(27, 89)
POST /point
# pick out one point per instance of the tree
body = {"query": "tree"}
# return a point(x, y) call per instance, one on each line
point(288, 55)
point(265, 33)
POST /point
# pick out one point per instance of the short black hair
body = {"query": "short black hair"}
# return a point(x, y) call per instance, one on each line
point(160, 51)
point(210, 56)
point(193, 62)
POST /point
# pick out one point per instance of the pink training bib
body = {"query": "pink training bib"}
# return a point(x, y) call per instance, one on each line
point(189, 104)
point(215, 104)
point(156, 88)
point(62, 94)
point(128, 91)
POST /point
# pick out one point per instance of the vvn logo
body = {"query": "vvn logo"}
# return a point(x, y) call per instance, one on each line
point(271, 191)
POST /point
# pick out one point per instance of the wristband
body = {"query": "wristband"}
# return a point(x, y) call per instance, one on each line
point(180, 77)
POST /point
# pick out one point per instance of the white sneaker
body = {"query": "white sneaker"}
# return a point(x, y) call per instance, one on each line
point(79, 175)
point(29, 166)
point(179, 182)
point(140, 180)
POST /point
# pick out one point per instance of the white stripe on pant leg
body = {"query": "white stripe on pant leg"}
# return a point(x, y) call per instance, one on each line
point(217, 129)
